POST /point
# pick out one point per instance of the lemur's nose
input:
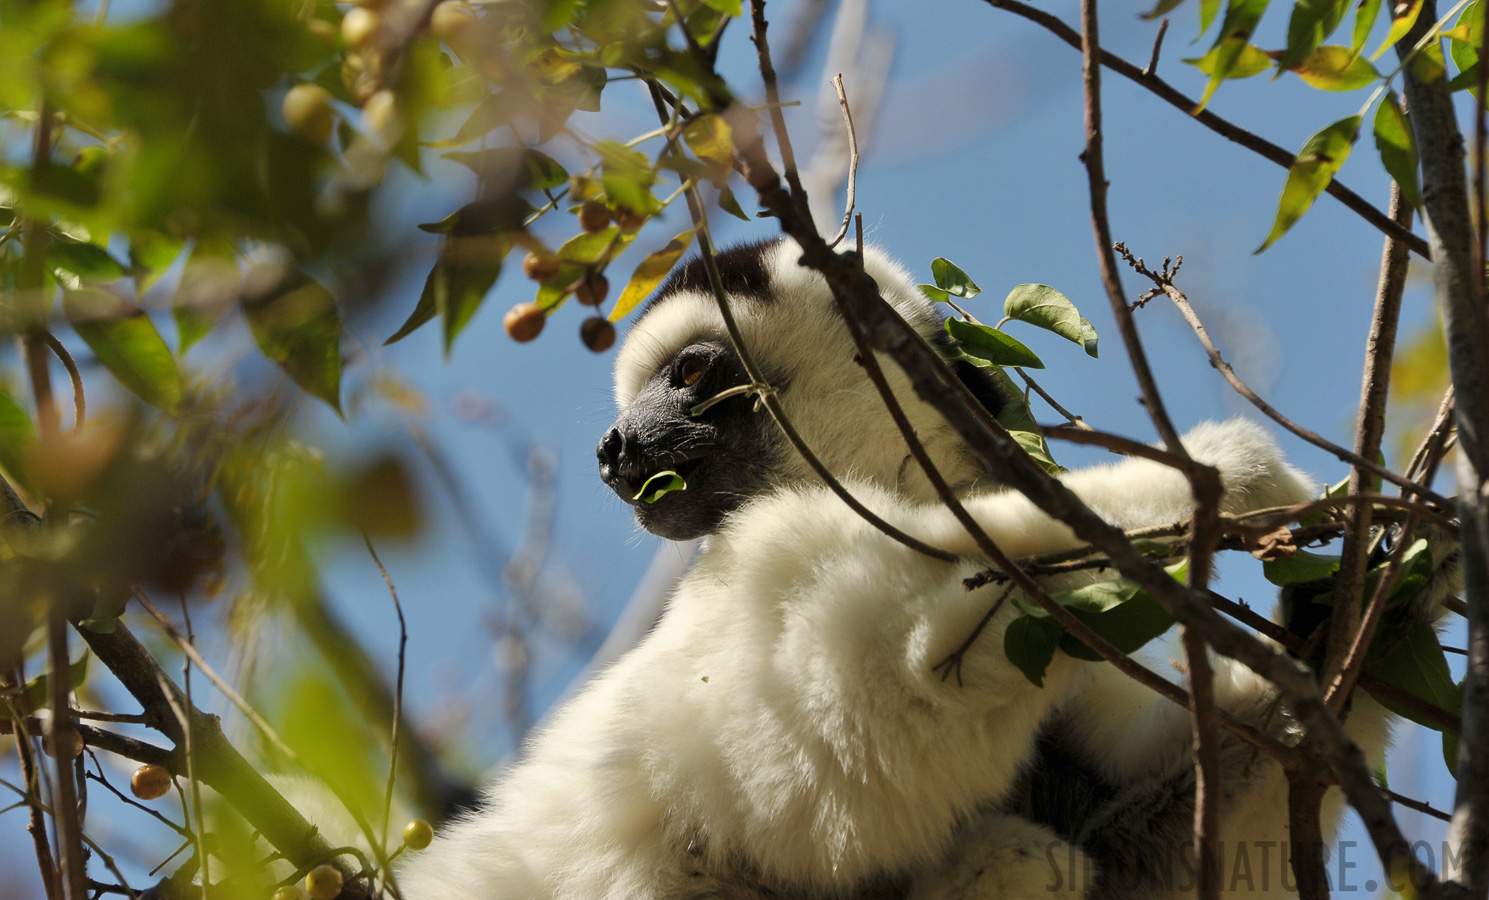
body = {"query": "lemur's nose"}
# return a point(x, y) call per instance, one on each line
point(624, 479)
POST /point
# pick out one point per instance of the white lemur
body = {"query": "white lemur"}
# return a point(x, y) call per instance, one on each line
point(783, 732)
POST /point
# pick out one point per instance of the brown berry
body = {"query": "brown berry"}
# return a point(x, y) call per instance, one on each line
point(594, 217)
point(452, 22)
point(307, 111)
point(323, 882)
point(592, 290)
point(629, 220)
point(540, 266)
point(359, 26)
point(150, 782)
point(524, 322)
point(417, 834)
point(597, 334)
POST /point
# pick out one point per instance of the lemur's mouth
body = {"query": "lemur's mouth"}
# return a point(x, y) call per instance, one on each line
point(638, 482)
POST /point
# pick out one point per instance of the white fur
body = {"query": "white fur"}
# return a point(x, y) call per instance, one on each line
point(784, 716)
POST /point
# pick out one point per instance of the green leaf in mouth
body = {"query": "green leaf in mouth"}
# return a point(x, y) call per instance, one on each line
point(659, 485)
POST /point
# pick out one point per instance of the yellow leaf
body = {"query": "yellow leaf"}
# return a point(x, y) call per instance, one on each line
point(650, 274)
point(711, 138)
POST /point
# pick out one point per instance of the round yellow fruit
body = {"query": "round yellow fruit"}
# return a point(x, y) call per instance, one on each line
point(417, 834)
point(307, 112)
point(323, 882)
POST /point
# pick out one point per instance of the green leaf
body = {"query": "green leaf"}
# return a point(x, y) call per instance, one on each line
point(1365, 14)
point(1403, 17)
point(17, 435)
point(730, 205)
point(627, 176)
point(660, 485)
point(1311, 172)
point(1044, 307)
point(1119, 611)
point(727, 7)
point(710, 137)
point(1415, 663)
point(488, 216)
point(1398, 148)
point(38, 689)
point(1299, 568)
point(987, 343)
point(150, 254)
point(208, 287)
point(492, 112)
point(1464, 48)
point(108, 606)
point(1208, 9)
point(932, 292)
point(1163, 8)
point(1029, 642)
point(296, 324)
point(1252, 60)
point(1336, 68)
point(458, 283)
point(1019, 420)
point(126, 342)
point(1241, 18)
point(649, 274)
point(75, 262)
point(513, 165)
point(951, 279)
point(1311, 24)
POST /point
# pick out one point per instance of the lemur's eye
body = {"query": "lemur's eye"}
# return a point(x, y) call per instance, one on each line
point(691, 369)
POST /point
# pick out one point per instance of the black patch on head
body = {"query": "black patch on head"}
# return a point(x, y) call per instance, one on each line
point(741, 268)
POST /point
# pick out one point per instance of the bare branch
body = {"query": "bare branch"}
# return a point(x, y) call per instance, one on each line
point(837, 83)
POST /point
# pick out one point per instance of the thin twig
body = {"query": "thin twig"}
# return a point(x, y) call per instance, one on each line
point(1070, 417)
point(36, 823)
point(1418, 805)
point(64, 737)
point(1204, 480)
point(190, 651)
point(1228, 130)
point(1350, 629)
point(79, 403)
point(777, 119)
point(1216, 360)
point(398, 685)
point(837, 84)
point(1157, 48)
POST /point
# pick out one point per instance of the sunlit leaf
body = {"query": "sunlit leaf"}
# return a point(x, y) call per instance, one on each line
point(85, 262)
point(127, 344)
point(727, 7)
point(1403, 17)
point(1208, 9)
point(649, 274)
point(991, 345)
point(1044, 307)
point(627, 177)
point(493, 112)
point(1464, 49)
point(1335, 68)
point(150, 254)
point(1311, 24)
point(951, 279)
point(710, 137)
point(1398, 148)
point(1252, 60)
point(1163, 8)
point(1241, 18)
point(296, 324)
point(659, 485)
point(1311, 172)
point(1366, 12)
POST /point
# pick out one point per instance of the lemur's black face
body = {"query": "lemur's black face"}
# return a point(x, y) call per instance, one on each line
point(721, 453)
